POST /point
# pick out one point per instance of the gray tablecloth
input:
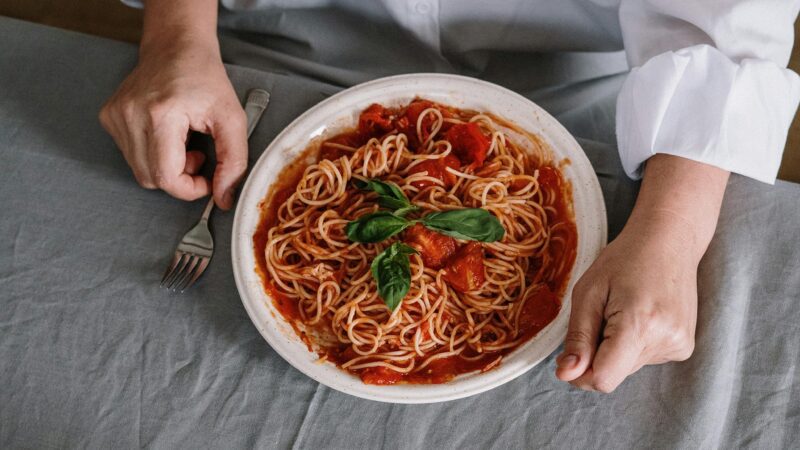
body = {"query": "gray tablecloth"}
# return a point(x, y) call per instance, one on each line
point(93, 354)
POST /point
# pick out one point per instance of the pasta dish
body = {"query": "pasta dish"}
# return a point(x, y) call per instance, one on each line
point(424, 243)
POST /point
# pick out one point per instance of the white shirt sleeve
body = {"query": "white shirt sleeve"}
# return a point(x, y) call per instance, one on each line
point(708, 83)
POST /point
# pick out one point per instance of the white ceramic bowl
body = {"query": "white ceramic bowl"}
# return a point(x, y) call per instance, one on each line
point(341, 111)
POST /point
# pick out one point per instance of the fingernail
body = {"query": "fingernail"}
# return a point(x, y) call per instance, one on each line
point(567, 362)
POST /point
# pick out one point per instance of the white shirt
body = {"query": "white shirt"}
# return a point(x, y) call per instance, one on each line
point(708, 78)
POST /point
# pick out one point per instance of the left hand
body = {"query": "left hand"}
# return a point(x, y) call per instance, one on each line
point(637, 304)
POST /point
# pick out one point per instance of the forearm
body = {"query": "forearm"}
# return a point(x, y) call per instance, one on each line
point(679, 200)
point(179, 24)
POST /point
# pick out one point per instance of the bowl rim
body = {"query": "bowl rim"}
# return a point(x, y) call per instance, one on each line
point(591, 238)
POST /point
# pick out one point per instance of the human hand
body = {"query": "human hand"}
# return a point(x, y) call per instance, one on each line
point(637, 304)
point(177, 87)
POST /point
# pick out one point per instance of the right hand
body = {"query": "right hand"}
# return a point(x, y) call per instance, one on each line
point(175, 89)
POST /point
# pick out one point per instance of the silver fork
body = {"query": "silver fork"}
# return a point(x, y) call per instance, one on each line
point(197, 246)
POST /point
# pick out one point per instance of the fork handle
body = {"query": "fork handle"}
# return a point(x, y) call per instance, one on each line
point(207, 211)
point(256, 103)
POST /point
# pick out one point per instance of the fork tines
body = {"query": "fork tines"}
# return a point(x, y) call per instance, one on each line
point(185, 269)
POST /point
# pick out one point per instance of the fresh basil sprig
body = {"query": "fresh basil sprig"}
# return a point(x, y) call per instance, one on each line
point(376, 227)
point(391, 270)
point(390, 196)
point(472, 224)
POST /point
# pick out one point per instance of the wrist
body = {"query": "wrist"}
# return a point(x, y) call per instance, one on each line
point(670, 231)
point(175, 27)
point(679, 201)
point(170, 44)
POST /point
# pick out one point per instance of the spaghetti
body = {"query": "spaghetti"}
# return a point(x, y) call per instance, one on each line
point(469, 303)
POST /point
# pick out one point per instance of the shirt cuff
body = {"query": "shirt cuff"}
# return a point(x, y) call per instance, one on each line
point(698, 104)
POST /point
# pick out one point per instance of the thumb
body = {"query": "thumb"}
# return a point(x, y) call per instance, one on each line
point(167, 155)
point(230, 140)
point(585, 322)
point(617, 357)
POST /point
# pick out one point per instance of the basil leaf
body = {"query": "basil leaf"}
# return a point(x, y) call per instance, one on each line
point(391, 270)
point(375, 227)
point(360, 184)
point(390, 196)
point(405, 210)
point(391, 203)
point(384, 188)
point(473, 224)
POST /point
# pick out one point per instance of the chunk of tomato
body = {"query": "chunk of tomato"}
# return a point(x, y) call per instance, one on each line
point(433, 247)
point(407, 123)
point(436, 168)
point(465, 271)
point(469, 143)
point(375, 121)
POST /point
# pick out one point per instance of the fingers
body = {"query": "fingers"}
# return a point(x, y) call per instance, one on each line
point(135, 153)
point(127, 130)
point(154, 146)
point(152, 112)
point(230, 139)
point(618, 356)
point(194, 161)
point(172, 168)
point(588, 302)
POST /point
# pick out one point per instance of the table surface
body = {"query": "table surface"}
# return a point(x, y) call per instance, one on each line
point(94, 354)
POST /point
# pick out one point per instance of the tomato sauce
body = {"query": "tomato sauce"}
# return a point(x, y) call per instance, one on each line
point(539, 309)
